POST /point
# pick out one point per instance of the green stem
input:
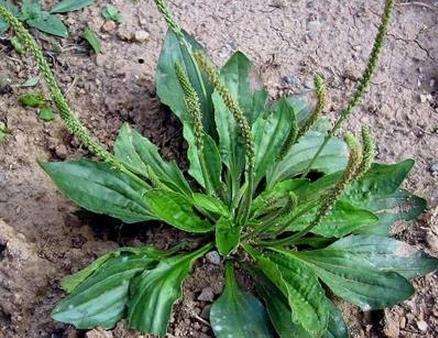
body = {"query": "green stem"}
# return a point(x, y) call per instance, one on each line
point(364, 81)
point(230, 279)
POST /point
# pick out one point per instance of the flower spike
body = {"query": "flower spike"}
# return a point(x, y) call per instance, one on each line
point(192, 103)
point(320, 90)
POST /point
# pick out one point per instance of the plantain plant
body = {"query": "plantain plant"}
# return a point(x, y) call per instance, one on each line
point(270, 187)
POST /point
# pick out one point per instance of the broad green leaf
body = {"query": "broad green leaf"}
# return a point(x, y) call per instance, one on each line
point(97, 187)
point(172, 95)
point(100, 300)
point(259, 99)
point(154, 292)
point(176, 210)
point(333, 158)
point(195, 169)
point(380, 180)
point(231, 145)
point(299, 285)
point(238, 314)
point(227, 236)
point(30, 9)
point(210, 203)
point(342, 220)
point(213, 162)
point(92, 39)
point(378, 191)
point(70, 283)
point(354, 279)
point(141, 155)
point(336, 327)
point(270, 132)
point(65, 6)
point(383, 254)
point(237, 76)
point(400, 206)
point(282, 318)
point(48, 23)
point(213, 166)
point(303, 104)
point(168, 87)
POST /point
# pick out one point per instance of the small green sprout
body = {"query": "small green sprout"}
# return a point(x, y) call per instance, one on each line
point(111, 13)
point(91, 37)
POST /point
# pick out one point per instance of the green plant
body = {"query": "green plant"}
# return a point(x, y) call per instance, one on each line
point(249, 196)
point(34, 16)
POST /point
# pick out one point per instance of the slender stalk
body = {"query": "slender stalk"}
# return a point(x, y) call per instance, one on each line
point(72, 123)
point(369, 152)
point(321, 96)
point(168, 17)
point(230, 279)
point(355, 159)
point(364, 81)
point(292, 137)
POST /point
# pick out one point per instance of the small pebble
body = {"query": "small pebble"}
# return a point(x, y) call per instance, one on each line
point(141, 36)
point(206, 295)
point(109, 26)
point(124, 34)
point(61, 151)
point(213, 257)
point(422, 325)
point(100, 60)
point(425, 98)
point(403, 322)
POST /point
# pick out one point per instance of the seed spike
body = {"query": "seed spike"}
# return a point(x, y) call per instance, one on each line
point(192, 103)
point(369, 152)
point(320, 90)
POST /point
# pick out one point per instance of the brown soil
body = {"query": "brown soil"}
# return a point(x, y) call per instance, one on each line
point(44, 237)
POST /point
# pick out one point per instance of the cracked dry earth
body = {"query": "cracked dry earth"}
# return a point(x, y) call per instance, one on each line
point(44, 237)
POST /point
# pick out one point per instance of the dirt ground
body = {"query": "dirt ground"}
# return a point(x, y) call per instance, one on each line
point(44, 237)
